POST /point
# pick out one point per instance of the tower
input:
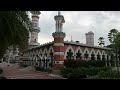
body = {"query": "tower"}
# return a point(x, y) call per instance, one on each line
point(58, 46)
point(90, 38)
point(34, 32)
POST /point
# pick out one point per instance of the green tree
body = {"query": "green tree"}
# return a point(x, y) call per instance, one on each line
point(101, 42)
point(14, 30)
point(114, 38)
point(111, 35)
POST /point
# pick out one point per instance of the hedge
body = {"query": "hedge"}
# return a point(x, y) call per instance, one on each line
point(72, 73)
point(83, 63)
point(108, 75)
point(79, 73)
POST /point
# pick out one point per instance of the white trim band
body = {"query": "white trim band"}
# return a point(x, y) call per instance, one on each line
point(58, 44)
point(58, 53)
point(58, 62)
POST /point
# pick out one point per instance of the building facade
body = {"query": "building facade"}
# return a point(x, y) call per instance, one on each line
point(52, 54)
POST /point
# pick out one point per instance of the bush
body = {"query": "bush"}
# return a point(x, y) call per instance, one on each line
point(105, 68)
point(78, 73)
point(108, 75)
point(66, 72)
point(71, 73)
point(83, 63)
point(91, 71)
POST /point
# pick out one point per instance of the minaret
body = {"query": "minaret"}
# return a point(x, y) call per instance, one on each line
point(58, 46)
point(34, 32)
point(90, 38)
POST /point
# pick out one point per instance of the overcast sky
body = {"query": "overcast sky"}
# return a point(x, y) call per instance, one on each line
point(77, 23)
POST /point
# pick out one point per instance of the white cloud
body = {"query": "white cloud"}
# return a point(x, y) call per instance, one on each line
point(77, 23)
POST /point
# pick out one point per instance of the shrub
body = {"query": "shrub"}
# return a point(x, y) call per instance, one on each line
point(71, 73)
point(77, 74)
point(108, 75)
point(66, 72)
point(83, 72)
point(83, 63)
point(105, 68)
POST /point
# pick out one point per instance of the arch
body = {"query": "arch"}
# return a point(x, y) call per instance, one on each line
point(78, 49)
point(86, 49)
point(67, 50)
point(49, 51)
point(103, 52)
point(98, 51)
point(51, 48)
point(93, 51)
point(40, 52)
point(36, 52)
point(45, 50)
point(77, 52)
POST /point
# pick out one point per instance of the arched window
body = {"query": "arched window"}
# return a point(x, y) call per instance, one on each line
point(92, 56)
point(35, 40)
point(107, 58)
point(78, 57)
point(103, 57)
point(45, 54)
point(51, 54)
point(70, 55)
point(98, 57)
point(86, 55)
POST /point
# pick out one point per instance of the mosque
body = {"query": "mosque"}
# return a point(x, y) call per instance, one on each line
point(53, 54)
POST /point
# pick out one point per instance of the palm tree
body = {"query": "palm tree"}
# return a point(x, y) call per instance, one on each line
point(112, 35)
point(101, 42)
point(14, 29)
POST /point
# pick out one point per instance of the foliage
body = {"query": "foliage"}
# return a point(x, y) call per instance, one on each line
point(114, 38)
point(72, 73)
point(83, 72)
point(14, 30)
point(112, 35)
point(108, 75)
point(101, 42)
point(83, 63)
point(118, 42)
